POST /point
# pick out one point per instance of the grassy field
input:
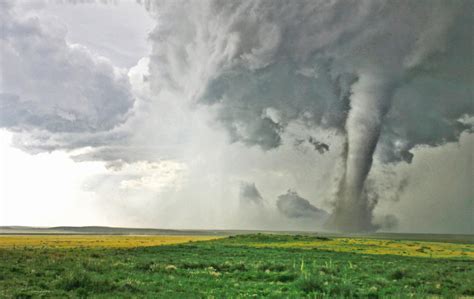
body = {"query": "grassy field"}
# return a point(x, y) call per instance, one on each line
point(362, 245)
point(94, 241)
point(255, 265)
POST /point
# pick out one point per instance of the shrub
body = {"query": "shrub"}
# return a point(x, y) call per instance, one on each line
point(398, 274)
point(310, 284)
point(286, 277)
point(85, 282)
point(272, 267)
point(343, 289)
point(468, 291)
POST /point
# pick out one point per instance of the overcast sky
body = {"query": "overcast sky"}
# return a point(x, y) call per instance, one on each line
point(307, 115)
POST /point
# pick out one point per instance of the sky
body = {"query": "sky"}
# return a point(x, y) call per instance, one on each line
point(352, 116)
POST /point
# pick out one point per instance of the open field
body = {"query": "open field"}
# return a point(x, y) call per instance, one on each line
point(94, 241)
point(238, 266)
point(361, 245)
point(338, 244)
point(104, 230)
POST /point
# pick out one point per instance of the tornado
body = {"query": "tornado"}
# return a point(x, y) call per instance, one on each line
point(369, 103)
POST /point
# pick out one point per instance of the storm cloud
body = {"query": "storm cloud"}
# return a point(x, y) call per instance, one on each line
point(58, 95)
point(294, 206)
point(339, 100)
point(370, 71)
point(250, 194)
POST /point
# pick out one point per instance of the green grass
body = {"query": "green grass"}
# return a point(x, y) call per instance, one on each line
point(227, 268)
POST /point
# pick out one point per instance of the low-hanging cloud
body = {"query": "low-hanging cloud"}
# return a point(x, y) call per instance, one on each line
point(292, 205)
point(250, 194)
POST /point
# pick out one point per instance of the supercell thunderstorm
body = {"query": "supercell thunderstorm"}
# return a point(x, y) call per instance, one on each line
point(381, 77)
point(366, 70)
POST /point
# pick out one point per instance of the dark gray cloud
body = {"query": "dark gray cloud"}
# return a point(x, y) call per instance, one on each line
point(293, 206)
point(304, 58)
point(319, 146)
point(250, 194)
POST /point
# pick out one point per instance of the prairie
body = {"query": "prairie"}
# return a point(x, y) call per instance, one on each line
point(94, 241)
point(255, 265)
point(364, 246)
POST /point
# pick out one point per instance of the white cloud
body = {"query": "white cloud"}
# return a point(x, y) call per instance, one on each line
point(49, 86)
point(154, 176)
point(114, 35)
